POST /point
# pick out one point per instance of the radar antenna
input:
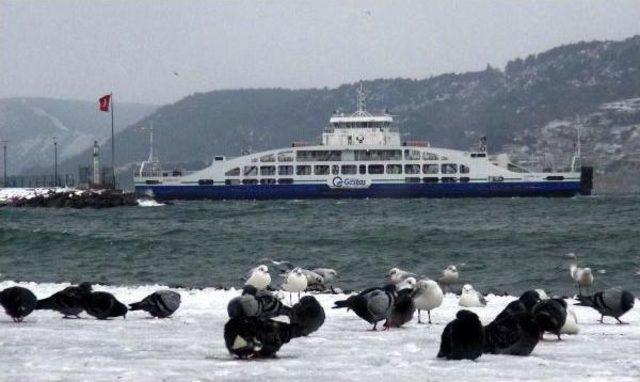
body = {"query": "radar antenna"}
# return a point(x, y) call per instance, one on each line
point(150, 130)
point(361, 102)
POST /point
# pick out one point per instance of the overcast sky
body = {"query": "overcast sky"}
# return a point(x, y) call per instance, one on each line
point(82, 49)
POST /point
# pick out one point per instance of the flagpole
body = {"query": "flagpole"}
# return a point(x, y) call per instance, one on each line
point(113, 147)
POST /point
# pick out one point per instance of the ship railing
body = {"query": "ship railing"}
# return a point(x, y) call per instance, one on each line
point(163, 174)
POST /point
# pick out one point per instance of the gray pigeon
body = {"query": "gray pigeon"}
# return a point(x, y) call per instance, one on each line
point(69, 301)
point(256, 303)
point(160, 304)
point(372, 305)
point(402, 311)
point(613, 302)
point(18, 302)
point(245, 305)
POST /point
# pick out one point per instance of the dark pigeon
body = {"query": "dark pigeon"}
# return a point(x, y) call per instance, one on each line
point(551, 315)
point(462, 338)
point(69, 301)
point(252, 337)
point(308, 314)
point(160, 304)
point(514, 334)
point(372, 305)
point(103, 305)
point(612, 302)
point(524, 304)
point(256, 303)
point(402, 311)
point(18, 302)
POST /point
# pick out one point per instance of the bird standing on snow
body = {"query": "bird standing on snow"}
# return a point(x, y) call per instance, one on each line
point(259, 277)
point(69, 301)
point(255, 303)
point(524, 304)
point(427, 295)
point(462, 338)
point(103, 305)
point(314, 280)
point(402, 310)
point(551, 315)
point(613, 302)
point(583, 277)
point(372, 305)
point(513, 334)
point(308, 314)
point(571, 324)
point(449, 276)
point(295, 281)
point(471, 298)
point(327, 274)
point(252, 337)
point(160, 304)
point(18, 302)
point(396, 275)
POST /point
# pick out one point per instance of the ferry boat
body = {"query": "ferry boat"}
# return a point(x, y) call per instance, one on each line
point(361, 156)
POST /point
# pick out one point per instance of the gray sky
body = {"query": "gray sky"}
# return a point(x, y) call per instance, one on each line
point(82, 49)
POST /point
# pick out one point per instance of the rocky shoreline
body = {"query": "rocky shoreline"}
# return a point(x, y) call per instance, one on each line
point(75, 199)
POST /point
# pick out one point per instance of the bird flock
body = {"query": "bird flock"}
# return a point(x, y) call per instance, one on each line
point(260, 322)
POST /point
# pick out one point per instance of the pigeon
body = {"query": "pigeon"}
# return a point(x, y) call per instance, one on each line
point(160, 304)
point(103, 305)
point(427, 295)
point(327, 274)
point(252, 337)
point(269, 306)
point(462, 338)
point(471, 298)
point(308, 314)
point(259, 277)
point(613, 302)
point(69, 301)
point(295, 281)
point(449, 276)
point(551, 315)
point(571, 324)
point(542, 294)
point(18, 302)
point(396, 276)
point(514, 334)
point(583, 277)
point(372, 305)
point(403, 309)
point(524, 304)
point(245, 305)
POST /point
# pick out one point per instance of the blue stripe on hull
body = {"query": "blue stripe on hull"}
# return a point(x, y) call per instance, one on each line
point(408, 190)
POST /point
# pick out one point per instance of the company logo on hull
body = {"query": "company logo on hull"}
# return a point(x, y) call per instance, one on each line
point(339, 182)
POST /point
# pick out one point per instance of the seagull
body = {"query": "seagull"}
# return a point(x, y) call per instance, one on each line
point(314, 280)
point(450, 275)
point(372, 305)
point(258, 277)
point(583, 277)
point(613, 302)
point(551, 315)
point(327, 274)
point(396, 275)
point(69, 301)
point(18, 302)
point(471, 298)
point(295, 281)
point(571, 324)
point(427, 295)
point(160, 304)
point(462, 338)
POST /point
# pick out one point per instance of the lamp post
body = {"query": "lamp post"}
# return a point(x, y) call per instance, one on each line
point(55, 161)
point(4, 162)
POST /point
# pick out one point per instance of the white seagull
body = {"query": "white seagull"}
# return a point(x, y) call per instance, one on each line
point(471, 298)
point(427, 296)
point(571, 324)
point(582, 276)
point(450, 275)
point(295, 281)
point(396, 275)
point(259, 277)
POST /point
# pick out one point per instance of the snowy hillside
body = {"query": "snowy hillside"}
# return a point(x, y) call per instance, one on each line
point(190, 347)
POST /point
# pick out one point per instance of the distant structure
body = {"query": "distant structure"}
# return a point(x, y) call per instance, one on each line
point(94, 176)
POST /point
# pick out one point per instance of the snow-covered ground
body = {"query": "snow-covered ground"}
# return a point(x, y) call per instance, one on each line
point(190, 347)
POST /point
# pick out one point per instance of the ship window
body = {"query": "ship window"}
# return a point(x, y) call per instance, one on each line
point(412, 169)
point(430, 169)
point(268, 181)
point(378, 155)
point(464, 169)
point(285, 181)
point(412, 180)
point(267, 170)
point(303, 170)
point(411, 154)
point(249, 181)
point(394, 169)
point(268, 158)
point(335, 169)
point(376, 169)
point(232, 182)
point(349, 169)
point(465, 179)
point(318, 155)
point(448, 179)
point(449, 168)
point(285, 170)
point(176, 173)
point(285, 156)
point(233, 172)
point(321, 169)
point(205, 182)
point(429, 156)
point(362, 169)
point(478, 155)
point(430, 179)
point(250, 170)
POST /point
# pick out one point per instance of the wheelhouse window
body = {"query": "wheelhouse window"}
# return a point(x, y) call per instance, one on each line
point(430, 179)
point(412, 180)
point(303, 170)
point(362, 169)
point(268, 158)
point(267, 170)
point(233, 172)
point(394, 169)
point(412, 169)
point(268, 181)
point(377, 155)
point(449, 168)
point(318, 155)
point(349, 169)
point(430, 168)
point(429, 156)
point(232, 182)
point(464, 169)
point(285, 181)
point(376, 169)
point(285, 156)
point(285, 170)
point(321, 169)
point(250, 170)
point(412, 154)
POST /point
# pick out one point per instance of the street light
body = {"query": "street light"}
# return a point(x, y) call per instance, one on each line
point(55, 161)
point(4, 153)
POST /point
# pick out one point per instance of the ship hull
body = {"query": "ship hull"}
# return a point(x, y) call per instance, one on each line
point(322, 191)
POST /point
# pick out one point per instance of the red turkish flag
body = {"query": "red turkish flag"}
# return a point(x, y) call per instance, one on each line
point(105, 102)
